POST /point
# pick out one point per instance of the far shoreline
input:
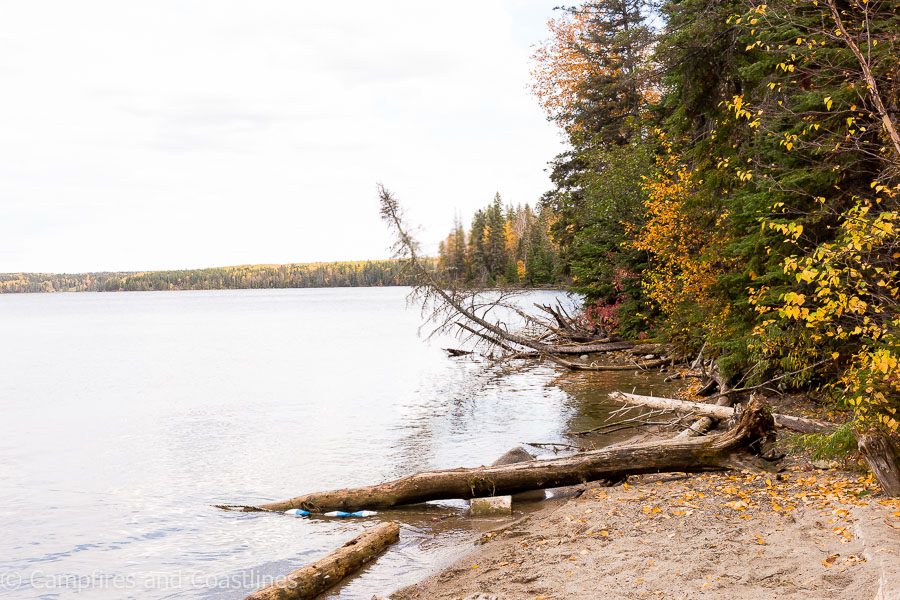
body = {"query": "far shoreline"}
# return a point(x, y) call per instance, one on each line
point(334, 287)
point(345, 274)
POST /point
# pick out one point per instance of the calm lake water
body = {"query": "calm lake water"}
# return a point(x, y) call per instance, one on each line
point(126, 416)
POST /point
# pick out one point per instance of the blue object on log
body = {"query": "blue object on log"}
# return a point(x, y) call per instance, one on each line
point(297, 512)
point(359, 513)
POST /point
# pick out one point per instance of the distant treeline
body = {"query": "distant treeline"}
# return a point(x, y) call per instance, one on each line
point(309, 275)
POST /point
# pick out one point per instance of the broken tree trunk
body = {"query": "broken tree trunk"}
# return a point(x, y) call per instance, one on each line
point(884, 459)
point(312, 580)
point(715, 411)
point(735, 448)
point(704, 424)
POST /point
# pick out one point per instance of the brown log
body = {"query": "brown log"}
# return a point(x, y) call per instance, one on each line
point(802, 424)
point(884, 459)
point(581, 367)
point(457, 352)
point(586, 348)
point(707, 388)
point(712, 453)
point(311, 580)
point(715, 411)
point(642, 349)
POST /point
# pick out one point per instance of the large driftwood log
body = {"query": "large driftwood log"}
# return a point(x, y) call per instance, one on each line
point(312, 580)
point(715, 411)
point(884, 459)
point(734, 448)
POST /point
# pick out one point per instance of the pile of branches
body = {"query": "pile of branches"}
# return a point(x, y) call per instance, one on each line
point(482, 316)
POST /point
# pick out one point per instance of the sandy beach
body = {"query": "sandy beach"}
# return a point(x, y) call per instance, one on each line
point(805, 533)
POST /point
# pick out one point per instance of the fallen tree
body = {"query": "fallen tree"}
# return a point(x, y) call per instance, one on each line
point(715, 411)
point(740, 447)
point(470, 309)
point(652, 364)
point(311, 580)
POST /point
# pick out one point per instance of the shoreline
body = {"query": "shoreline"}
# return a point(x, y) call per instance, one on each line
point(541, 288)
point(805, 533)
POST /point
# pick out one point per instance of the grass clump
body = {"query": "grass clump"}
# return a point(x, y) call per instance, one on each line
point(837, 444)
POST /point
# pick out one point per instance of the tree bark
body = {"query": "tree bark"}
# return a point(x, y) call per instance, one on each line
point(704, 424)
point(311, 580)
point(883, 458)
point(886, 120)
point(800, 424)
point(734, 448)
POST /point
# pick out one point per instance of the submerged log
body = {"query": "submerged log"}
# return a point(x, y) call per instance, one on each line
point(312, 580)
point(738, 447)
point(457, 352)
point(715, 411)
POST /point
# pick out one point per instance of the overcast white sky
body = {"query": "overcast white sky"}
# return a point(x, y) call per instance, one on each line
point(187, 133)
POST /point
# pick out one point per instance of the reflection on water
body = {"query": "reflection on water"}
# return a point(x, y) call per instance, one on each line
point(589, 405)
point(126, 416)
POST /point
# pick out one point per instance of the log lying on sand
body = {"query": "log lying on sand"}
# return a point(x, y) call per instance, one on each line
point(738, 447)
point(312, 580)
point(720, 412)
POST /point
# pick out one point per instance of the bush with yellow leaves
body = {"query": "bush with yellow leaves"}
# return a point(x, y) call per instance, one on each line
point(846, 298)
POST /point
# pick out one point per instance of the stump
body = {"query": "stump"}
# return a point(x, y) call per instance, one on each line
point(884, 459)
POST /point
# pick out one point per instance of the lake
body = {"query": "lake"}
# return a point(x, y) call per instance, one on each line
point(127, 416)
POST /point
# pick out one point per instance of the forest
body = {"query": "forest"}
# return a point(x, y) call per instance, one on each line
point(731, 185)
point(300, 275)
point(505, 246)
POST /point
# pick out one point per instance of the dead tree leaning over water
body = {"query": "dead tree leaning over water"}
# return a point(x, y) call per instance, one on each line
point(449, 308)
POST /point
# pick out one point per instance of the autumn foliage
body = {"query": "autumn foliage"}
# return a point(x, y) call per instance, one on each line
point(764, 221)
